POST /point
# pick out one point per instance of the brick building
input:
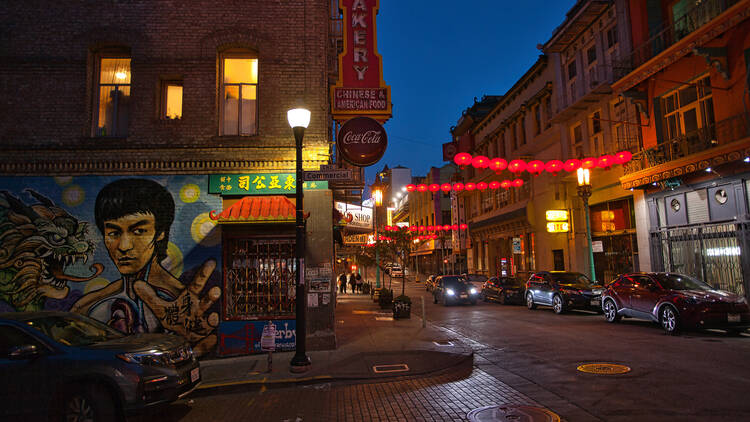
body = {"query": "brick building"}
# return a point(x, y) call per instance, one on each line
point(177, 111)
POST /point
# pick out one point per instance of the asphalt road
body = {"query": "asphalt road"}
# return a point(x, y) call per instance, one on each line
point(697, 376)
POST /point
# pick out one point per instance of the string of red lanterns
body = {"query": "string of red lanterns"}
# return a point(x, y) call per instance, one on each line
point(458, 186)
point(437, 228)
point(536, 167)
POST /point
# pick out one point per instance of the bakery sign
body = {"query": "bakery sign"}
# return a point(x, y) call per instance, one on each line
point(360, 89)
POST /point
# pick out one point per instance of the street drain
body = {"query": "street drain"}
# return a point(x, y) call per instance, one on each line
point(512, 413)
point(604, 368)
point(382, 369)
point(443, 343)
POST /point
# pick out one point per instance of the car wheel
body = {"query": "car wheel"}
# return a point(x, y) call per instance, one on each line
point(669, 320)
point(92, 404)
point(502, 298)
point(530, 301)
point(557, 304)
point(610, 311)
point(485, 298)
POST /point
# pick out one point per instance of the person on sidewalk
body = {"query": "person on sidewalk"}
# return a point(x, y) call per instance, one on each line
point(342, 283)
point(359, 283)
point(352, 283)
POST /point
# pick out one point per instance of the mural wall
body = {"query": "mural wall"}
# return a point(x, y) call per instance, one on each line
point(137, 253)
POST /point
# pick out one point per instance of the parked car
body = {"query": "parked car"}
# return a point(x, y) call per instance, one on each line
point(563, 291)
point(675, 301)
point(396, 271)
point(450, 289)
point(477, 279)
point(504, 290)
point(387, 267)
point(64, 366)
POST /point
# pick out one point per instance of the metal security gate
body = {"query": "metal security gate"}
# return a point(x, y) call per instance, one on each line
point(710, 252)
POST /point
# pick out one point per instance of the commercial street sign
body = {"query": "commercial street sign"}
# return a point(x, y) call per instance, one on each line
point(330, 175)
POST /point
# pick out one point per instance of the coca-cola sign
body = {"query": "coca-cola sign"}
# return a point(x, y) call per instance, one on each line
point(362, 141)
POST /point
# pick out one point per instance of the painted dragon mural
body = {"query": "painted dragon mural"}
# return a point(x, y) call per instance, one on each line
point(37, 243)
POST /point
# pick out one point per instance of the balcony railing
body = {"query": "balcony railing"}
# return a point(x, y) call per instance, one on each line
point(721, 133)
point(696, 17)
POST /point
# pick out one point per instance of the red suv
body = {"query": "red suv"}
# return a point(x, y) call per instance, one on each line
point(675, 301)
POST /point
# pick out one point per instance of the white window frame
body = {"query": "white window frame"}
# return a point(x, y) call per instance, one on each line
point(237, 54)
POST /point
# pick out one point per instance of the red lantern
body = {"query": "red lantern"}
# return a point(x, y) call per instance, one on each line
point(470, 186)
point(413, 228)
point(463, 226)
point(480, 162)
point(498, 164)
point(411, 188)
point(517, 166)
point(505, 184)
point(434, 236)
point(458, 187)
point(422, 188)
point(438, 228)
point(606, 161)
point(463, 159)
point(387, 228)
point(494, 184)
point(518, 183)
point(421, 228)
point(430, 228)
point(554, 166)
point(434, 187)
point(445, 187)
point(446, 227)
point(572, 165)
point(454, 227)
point(482, 186)
point(589, 163)
point(535, 167)
point(623, 157)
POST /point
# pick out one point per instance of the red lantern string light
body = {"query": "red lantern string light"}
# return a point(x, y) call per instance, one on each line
point(463, 159)
point(454, 227)
point(411, 188)
point(605, 161)
point(572, 165)
point(422, 188)
point(421, 228)
point(445, 187)
point(623, 157)
point(470, 186)
point(516, 166)
point(589, 163)
point(505, 184)
point(413, 228)
point(387, 228)
point(482, 186)
point(535, 167)
point(434, 187)
point(494, 184)
point(458, 187)
point(434, 236)
point(446, 227)
point(480, 162)
point(554, 166)
point(498, 165)
point(518, 183)
point(430, 228)
point(463, 226)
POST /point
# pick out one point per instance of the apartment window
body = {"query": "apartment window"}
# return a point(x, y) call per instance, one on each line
point(171, 100)
point(572, 85)
point(612, 36)
point(591, 54)
point(571, 70)
point(548, 111)
point(515, 137)
point(688, 109)
point(239, 91)
point(522, 130)
point(537, 120)
point(113, 109)
point(596, 122)
point(577, 140)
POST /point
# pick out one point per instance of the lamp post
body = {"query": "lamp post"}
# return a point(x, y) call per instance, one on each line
point(377, 196)
point(584, 191)
point(299, 118)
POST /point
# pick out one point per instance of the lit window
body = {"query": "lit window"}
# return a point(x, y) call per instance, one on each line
point(239, 103)
point(172, 100)
point(113, 97)
point(688, 110)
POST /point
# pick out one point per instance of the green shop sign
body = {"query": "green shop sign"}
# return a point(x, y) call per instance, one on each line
point(259, 184)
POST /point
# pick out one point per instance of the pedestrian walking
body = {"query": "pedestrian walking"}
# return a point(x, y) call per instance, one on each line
point(352, 282)
point(342, 283)
point(359, 283)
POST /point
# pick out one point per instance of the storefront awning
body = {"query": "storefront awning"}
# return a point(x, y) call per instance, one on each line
point(258, 209)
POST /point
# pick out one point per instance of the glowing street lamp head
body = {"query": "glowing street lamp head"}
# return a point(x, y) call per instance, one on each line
point(584, 177)
point(298, 117)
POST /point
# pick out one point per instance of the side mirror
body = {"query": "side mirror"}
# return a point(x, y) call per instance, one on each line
point(26, 351)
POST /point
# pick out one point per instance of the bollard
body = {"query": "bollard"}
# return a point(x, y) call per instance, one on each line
point(424, 320)
point(270, 361)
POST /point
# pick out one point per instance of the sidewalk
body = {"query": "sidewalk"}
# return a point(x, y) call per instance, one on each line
point(370, 345)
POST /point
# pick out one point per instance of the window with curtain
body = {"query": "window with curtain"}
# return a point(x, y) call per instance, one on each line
point(239, 94)
point(113, 111)
point(688, 109)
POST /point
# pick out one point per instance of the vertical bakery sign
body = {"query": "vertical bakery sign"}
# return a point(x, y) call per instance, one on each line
point(360, 89)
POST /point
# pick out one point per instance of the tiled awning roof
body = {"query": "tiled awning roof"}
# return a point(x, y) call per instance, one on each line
point(258, 209)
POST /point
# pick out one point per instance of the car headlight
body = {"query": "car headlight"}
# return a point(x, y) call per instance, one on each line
point(145, 358)
point(473, 291)
point(450, 292)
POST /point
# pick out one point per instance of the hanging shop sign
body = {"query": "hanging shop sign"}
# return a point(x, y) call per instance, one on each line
point(357, 239)
point(259, 184)
point(557, 221)
point(360, 89)
point(354, 216)
point(362, 141)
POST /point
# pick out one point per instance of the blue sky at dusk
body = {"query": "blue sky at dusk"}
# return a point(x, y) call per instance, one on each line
point(439, 55)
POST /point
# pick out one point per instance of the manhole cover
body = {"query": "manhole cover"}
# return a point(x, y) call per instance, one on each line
point(399, 367)
point(604, 368)
point(514, 413)
point(443, 343)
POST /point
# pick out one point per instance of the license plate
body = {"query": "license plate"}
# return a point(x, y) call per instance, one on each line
point(733, 317)
point(195, 374)
point(463, 295)
point(595, 302)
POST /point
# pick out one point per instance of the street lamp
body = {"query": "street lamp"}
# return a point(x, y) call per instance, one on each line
point(299, 118)
point(584, 191)
point(377, 196)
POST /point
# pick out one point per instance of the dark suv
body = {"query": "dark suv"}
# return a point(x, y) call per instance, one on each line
point(451, 289)
point(64, 366)
point(563, 291)
point(675, 301)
